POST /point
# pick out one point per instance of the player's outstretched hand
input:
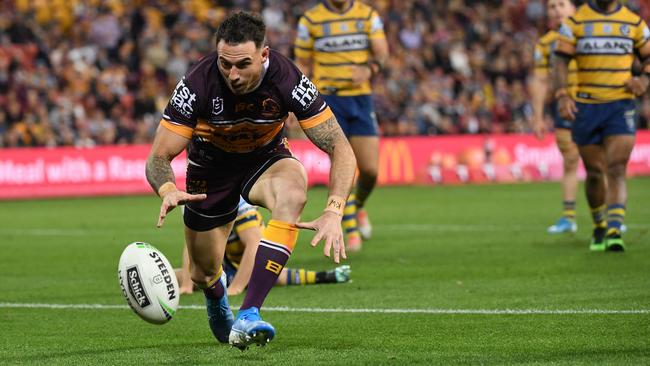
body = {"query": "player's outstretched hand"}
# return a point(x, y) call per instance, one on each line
point(176, 198)
point(328, 228)
point(567, 108)
point(637, 85)
point(539, 128)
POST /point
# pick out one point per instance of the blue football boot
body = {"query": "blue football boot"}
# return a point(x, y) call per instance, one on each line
point(563, 225)
point(220, 317)
point(249, 328)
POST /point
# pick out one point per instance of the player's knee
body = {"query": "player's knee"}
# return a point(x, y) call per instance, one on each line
point(201, 276)
point(616, 169)
point(571, 161)
point(594, 173)
point(368, 175)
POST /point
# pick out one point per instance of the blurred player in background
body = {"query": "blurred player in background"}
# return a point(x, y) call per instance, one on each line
point(557, 12)
point(603, 37)
point(230, 109)
point(240, 257)
point(341, 44)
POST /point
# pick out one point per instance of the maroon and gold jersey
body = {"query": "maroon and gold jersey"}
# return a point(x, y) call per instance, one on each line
point(204, 108)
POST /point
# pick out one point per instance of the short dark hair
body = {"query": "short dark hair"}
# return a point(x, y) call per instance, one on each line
point(242, 27)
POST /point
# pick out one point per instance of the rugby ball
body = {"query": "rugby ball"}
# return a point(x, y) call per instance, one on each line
point(148, 283)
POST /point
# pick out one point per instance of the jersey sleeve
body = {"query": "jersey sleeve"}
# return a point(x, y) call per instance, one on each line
point(376, 30)
point(566, 41)
point(181, 114)
point(642, 45)
point(304, 44)
point(302, 97)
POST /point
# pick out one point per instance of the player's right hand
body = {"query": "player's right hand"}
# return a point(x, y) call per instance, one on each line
point(539, 128)
point(637, 85)
point(175, 198)
point(567, 108)
point(360, 74)
point(328, 228)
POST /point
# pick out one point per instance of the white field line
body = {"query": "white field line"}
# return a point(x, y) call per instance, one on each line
point(382, 228)
point(285, 309)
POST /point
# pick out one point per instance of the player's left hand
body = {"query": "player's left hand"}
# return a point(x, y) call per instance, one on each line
point(637, 85)
point(175, 198)
point(360, 74)
point(327, 227)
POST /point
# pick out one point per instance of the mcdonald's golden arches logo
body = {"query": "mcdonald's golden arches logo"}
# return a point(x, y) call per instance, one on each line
point(395, 162)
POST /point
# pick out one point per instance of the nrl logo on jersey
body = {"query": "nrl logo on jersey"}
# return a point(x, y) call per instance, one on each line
point(217, 106)
point(183, 99)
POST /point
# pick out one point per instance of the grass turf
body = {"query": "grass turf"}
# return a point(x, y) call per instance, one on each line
point(460, 247)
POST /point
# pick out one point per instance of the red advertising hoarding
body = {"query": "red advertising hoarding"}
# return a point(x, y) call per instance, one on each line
point(119, 170)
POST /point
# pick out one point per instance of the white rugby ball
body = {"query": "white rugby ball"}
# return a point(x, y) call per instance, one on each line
point(148, 283)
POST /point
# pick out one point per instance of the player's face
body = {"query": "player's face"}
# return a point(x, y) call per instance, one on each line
point(559, 10)
point(241, 65)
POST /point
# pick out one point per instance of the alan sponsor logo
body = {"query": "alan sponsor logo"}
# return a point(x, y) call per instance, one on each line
point(605, 45)
point(183, 99)
point(305, 92)
point(350, 42)
point(135, 287)
point(164, 275)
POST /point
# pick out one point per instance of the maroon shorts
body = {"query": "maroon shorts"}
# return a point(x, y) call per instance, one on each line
point(224, 177)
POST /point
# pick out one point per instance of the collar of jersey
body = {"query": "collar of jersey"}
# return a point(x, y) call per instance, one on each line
point(327, 5)
point(595, 8)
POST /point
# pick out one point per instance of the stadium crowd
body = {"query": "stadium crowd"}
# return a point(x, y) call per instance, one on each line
point(84, 73)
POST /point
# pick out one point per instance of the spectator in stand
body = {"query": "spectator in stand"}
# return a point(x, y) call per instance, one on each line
point(124, 56)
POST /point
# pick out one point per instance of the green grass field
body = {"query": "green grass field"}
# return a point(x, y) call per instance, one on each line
point(464, 256)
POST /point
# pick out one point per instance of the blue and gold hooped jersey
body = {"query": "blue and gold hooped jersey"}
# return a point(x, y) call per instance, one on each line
point(247, 216)
point(545, 57)
point(604, 47)
point(335, 41)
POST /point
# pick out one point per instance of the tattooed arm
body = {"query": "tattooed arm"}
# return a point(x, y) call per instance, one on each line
point(329, 137)
point(166, 146)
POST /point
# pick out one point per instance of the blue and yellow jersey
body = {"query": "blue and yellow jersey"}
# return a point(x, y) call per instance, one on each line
point(604, 46)
point(336, 40)
point(247, 216)
point(545, 57)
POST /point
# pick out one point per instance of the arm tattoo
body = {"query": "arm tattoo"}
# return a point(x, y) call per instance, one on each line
point(326, 135)
point(159, 171)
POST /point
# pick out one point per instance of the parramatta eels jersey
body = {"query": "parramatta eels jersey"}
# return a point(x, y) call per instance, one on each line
point(604, 45)
point(545, 58)
point(335, 41)
point(247, 216)
point(203, 108)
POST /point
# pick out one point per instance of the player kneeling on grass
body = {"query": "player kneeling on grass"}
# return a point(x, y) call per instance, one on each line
point(240, 256)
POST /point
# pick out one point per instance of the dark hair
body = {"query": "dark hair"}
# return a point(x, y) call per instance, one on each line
point(242, 27)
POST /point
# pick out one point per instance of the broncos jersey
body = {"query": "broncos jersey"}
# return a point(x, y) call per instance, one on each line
point(545, 58)
point(604, 46)
point(334, 41)
point(247, 216)
point(204, 108)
